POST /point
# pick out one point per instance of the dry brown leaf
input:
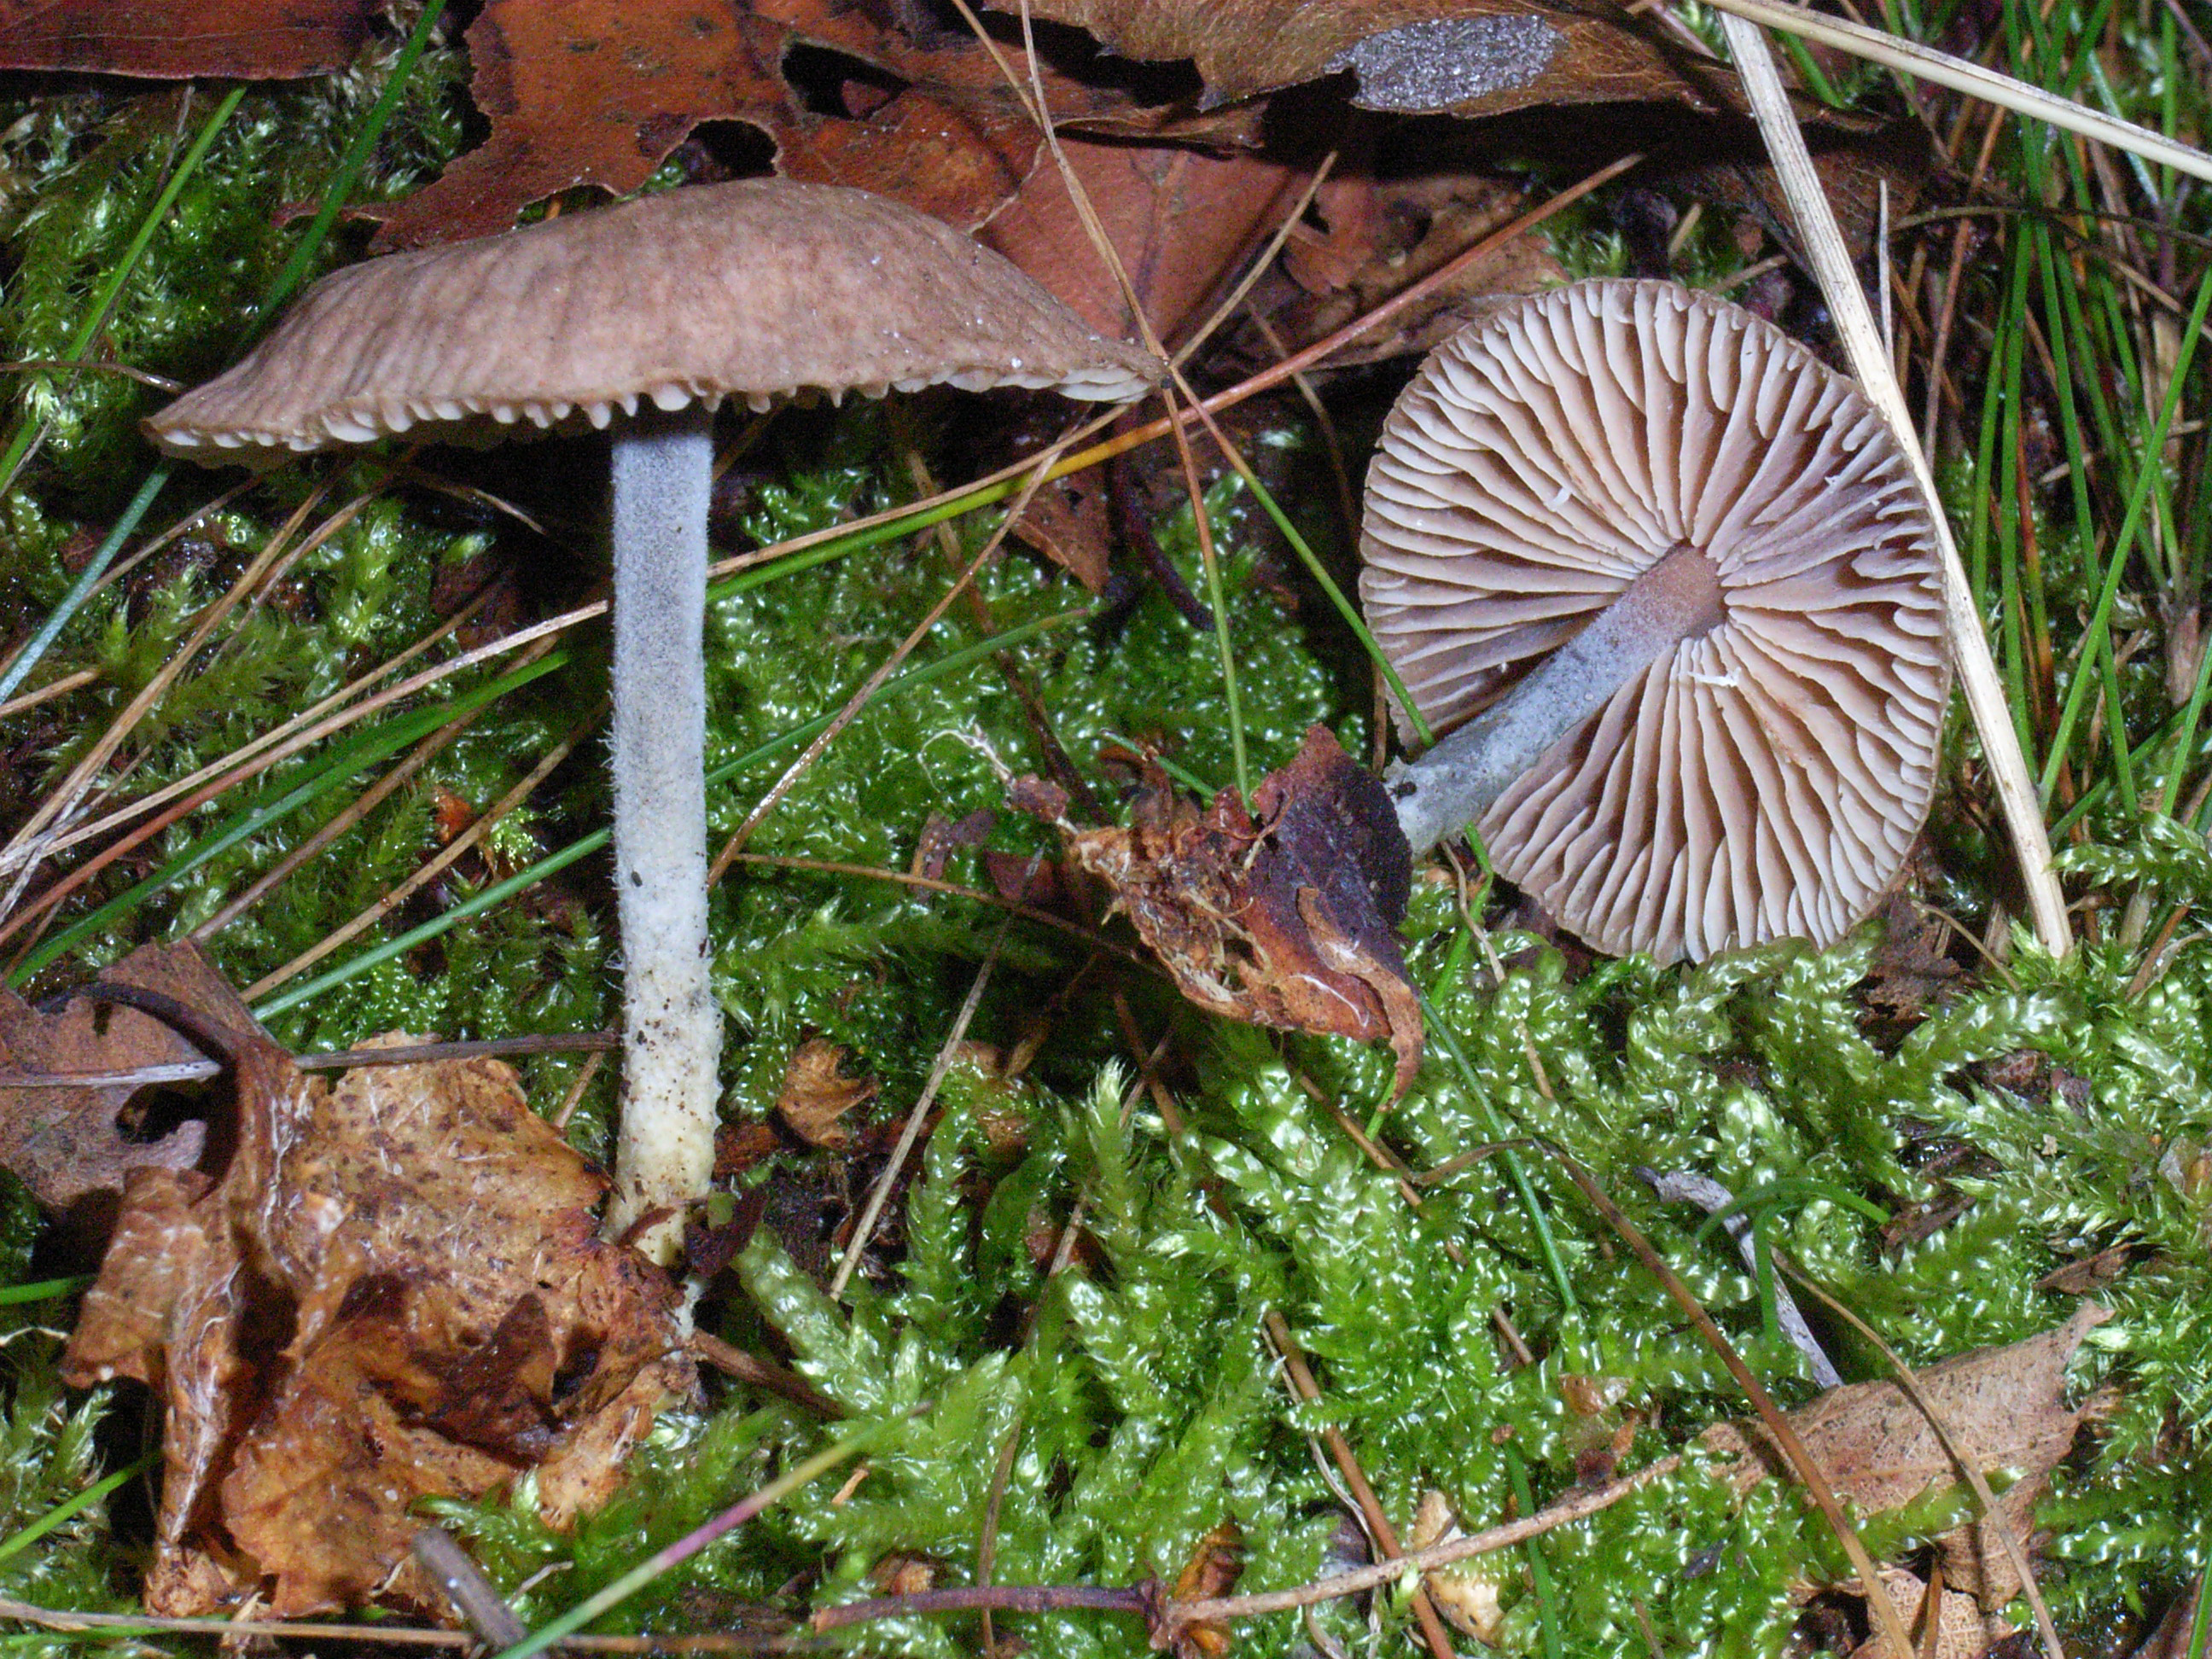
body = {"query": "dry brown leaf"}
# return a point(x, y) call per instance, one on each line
point(1216, 1563)
point(67, 1143)
point(815, 1094)
point(1958, 1633)
point(163, 39)
point(1468, 1593)
point(1181, 221)
point(1384, 234)
point(599, 92)
point(2005, 1408)
point(1462, 57)
point(1281, 919)
point(372, 1304)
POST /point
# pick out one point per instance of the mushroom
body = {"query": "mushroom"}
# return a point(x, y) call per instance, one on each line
point(644, 318)
point(1669, 577)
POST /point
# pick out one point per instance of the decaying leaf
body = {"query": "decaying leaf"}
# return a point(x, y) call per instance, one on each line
point(1425, 56)
point(1956, 1620)
point(67, 1143)
point(162, 39)
point(1383, 235)
point(817, 1093)
point(394, 1289)
point(599, 92)
point(2004, 1407)
point(1468, 1593)
point(1216, 1563)
point(1283, 915)
point(1181, 221)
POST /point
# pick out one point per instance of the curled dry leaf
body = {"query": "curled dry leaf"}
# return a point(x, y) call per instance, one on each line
point(599, 92)
point(2004, 1407)
point(817, 1093)
point(71, 1142)
point(1283, 915)
point(1413, 56)
point(160, 39)
point(395, 1290)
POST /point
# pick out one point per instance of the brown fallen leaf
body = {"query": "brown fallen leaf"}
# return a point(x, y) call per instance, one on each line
point(1957, 1633)
point(1216, 1563)
point(1283, 915)
point(1462, 57)
point(67, 1143)
point(164, 39)
point(1468, 1593)
point(2005, 1408)
point(1385, 233)
point(372, 1303)
point(817, 1093)
point(1180, 220)
point(600, 92)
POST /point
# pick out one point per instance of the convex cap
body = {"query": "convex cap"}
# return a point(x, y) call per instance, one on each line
point(753, 289)
point(1766, 776)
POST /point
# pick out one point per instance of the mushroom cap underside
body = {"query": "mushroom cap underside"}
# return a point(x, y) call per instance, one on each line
point(1764, 778)
point(755, 290)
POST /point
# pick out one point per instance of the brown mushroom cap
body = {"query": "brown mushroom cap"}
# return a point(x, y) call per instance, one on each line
point(751, 289)
point(1765, 777)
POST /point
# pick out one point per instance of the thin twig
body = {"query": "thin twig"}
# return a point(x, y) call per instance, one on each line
point(335, 1060)
point(1340, 1451)
point(134, 1624)
point(1991, 1516)
point(1803, 1464)
point(749, 1369)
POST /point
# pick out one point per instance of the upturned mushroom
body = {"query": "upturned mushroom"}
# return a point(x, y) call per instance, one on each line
point(643, 319)
point(1667, 581)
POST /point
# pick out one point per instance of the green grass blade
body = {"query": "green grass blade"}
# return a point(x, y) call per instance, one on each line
point(498, 893)
point(62, 1511)
point(1516, 1172)
point(1345, 607)
point(366, 749)
point(2155, 442)
point(96, 318)
point(335, 197)
point(351, 164)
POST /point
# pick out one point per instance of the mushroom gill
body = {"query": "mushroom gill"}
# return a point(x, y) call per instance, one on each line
point(1759, 772)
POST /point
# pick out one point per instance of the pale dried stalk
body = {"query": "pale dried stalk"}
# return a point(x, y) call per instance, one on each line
point(28, 845)
point(428, 873)
point(1847, 304)
point(1926, 63)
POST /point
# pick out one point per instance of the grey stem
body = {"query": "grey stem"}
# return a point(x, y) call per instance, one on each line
point(663, 471)
point(1454, 783)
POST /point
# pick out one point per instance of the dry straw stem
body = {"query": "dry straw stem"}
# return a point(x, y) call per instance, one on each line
point(1863, 343)
point(1909, 58)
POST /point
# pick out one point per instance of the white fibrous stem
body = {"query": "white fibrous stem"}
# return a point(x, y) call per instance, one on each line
point(672, 1030)
point(1454, 783)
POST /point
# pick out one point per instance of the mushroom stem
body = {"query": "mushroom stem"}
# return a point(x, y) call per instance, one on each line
point(1454, 783)
point(663, 471)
